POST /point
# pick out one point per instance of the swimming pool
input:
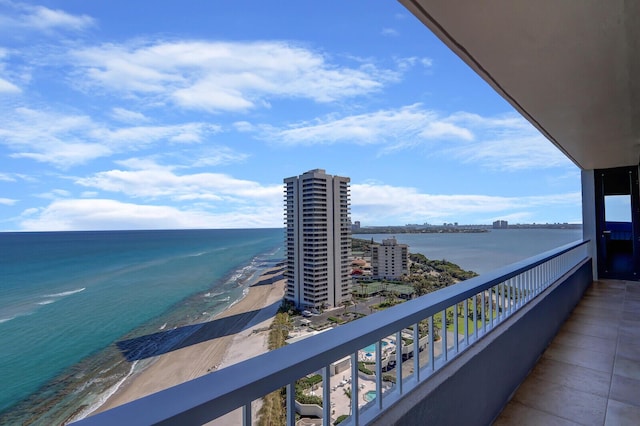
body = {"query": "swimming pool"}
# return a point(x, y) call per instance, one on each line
point(370, 395)
point(372, 347)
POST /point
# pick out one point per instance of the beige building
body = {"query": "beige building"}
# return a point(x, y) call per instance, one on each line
point(318, 239)
point(389, 260)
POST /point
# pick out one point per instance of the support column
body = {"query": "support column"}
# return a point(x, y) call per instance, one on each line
point(589, 216)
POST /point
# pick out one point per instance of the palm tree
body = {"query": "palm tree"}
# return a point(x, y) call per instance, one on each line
point(347, 392)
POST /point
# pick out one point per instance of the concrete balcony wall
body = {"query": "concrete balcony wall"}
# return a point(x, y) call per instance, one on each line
point(474, 387)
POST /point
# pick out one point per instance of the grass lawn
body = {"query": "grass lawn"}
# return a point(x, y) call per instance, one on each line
point(470, 322)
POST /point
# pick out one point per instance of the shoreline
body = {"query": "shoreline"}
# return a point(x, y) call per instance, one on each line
point(211, 348)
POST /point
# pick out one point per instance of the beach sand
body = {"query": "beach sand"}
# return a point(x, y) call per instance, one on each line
point(234, 335)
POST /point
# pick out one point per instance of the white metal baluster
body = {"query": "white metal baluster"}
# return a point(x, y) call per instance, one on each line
point(456, 348)
point(466, 322)
point(431, 348)
point(291, 404)
point(509, 292)
point(475, 316)
point(484, 318)
point(444, 335)
point(399, 360)
point(326, 396)
point(416, 351)
point(379, 375)
point(491, 308)
point(504, 300)
point(355, 414)
point(499, 302)
point(246, 414)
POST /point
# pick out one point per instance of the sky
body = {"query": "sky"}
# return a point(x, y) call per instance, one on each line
point(171, 115)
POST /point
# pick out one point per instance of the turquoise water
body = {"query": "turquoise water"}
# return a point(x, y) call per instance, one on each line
point(67, 298)
point(370, 395)
point(372, 347)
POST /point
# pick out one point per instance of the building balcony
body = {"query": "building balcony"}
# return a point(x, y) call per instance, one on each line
point(590, 374)
point(497, 327)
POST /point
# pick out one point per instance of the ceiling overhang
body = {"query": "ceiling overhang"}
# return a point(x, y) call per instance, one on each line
point(572, 68)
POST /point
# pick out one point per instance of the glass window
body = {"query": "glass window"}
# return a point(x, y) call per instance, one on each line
point(617, 208)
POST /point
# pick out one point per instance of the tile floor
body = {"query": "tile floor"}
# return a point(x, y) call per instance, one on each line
point(590, 374)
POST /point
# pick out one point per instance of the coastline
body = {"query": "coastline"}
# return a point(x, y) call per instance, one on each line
point(240, 336)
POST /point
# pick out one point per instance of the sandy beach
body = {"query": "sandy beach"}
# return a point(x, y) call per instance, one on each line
point(234, 335)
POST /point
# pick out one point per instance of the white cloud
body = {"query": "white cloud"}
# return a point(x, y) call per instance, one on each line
point(43, 18)
point(7, 177)
point(385, 204)
point(152, 181)
point(409, 62)
point(507, 142)
point(408, 125)
point(7, 201)
point(62, 154)
point(105, 214)
point(217, 155)
point(225, 76)
point(390, 32)
point(7, 87)
point(21, 16)
point(55, 194)
point(244, 126)
point(248, 204)
point(66, 140)
point(140, 136)
point(127, 116)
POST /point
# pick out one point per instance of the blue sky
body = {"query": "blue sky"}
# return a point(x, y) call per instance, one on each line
point(158, 114)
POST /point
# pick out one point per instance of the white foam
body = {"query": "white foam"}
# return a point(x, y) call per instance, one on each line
point(104, 397)
point(46, 302)
point(66, 293)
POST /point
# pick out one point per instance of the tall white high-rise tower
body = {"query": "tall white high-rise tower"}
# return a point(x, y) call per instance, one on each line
point(318, 239)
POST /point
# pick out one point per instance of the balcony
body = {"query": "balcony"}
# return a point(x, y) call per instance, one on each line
point(504, 321)
point(590, 374)
point(569, 68)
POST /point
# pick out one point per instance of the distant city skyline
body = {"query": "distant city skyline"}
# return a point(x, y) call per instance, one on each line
point(187, 115)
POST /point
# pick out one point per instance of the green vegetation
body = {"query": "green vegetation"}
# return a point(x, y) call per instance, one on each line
point(308, 399)
point(307, 382)
point(362, 367)
point(340, 419)
point(388, 377)
point(279, 330)
point(442, 266)
point(360, 245)
point(424, 276)
point(367, 288)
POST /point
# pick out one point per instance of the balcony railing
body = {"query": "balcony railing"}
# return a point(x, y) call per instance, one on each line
point(476, 307)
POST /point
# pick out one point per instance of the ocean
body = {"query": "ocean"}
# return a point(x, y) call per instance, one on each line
point(68, 300)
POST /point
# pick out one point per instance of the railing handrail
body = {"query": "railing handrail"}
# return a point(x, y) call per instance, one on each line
point(215, 394)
